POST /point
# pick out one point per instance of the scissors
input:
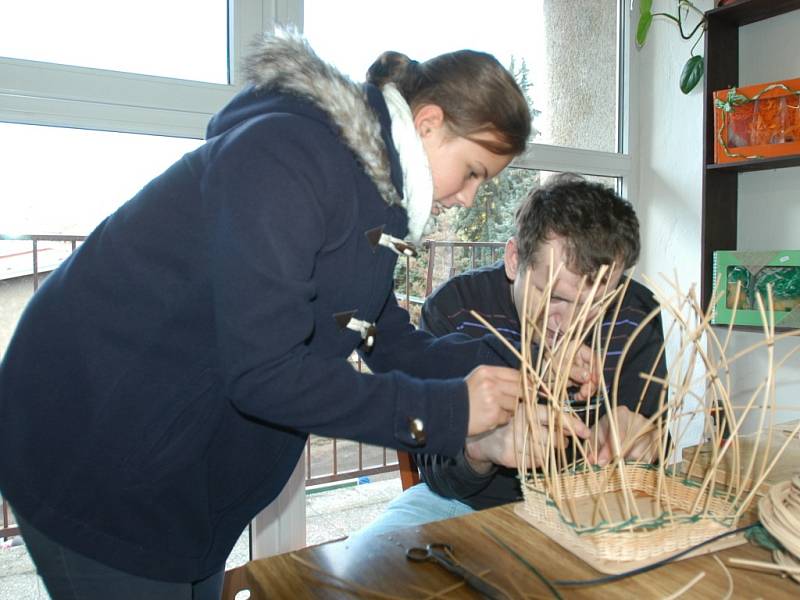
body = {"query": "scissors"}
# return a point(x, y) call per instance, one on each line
point(441, 554)
point(576, 405)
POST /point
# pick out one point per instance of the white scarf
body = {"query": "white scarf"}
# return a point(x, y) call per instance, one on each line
point(417, 179)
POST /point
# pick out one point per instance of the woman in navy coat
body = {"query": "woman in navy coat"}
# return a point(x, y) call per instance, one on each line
point(160, 386)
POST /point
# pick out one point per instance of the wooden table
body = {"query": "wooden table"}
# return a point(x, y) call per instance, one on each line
point(379, 564)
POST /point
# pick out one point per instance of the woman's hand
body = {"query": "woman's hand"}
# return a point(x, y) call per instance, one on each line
point(500, 447)
point(494, 393)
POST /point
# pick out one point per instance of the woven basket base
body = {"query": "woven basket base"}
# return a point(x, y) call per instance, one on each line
point(582, 547)
point(617, 551)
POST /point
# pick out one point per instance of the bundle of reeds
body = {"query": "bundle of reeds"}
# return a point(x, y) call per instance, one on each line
point(627, 513)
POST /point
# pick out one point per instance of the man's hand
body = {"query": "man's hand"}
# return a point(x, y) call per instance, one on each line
point(583, 372)
point(634, 431)
point(494, 393)
point(499, 447)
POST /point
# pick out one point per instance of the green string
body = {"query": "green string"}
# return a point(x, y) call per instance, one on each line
point(526, 563)
point(640, 525)
point(761, 537)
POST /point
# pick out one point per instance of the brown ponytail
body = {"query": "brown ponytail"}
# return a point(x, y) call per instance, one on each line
point(475, 92)
point(396, 68)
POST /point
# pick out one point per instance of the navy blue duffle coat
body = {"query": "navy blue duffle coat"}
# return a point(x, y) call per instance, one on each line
point(161, 384)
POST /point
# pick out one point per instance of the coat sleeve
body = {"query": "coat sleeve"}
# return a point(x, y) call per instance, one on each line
point(452, 477)
point(449, 477)
point(267, 223)
point(400, 346)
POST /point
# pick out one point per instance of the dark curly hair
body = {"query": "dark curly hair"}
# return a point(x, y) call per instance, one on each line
point(599, 227)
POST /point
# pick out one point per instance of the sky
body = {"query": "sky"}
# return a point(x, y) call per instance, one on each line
point(59, 180)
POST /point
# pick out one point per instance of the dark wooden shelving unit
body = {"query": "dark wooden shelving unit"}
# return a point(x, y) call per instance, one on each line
point(720, 182)
point(761, 164)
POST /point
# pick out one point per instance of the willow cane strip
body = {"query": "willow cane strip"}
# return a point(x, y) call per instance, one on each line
point(768, 334)
point(777, 456)
point(728, 576)
point(756, 345)
point(714, 464)
point(761, 564)
point(734, 432)
point(526, 391)
point(661, 452)
point(769, 393)
point(686, 587)
point(618, 305)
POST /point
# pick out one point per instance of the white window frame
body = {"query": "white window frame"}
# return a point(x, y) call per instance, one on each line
point(620, 164)
point(42, 93)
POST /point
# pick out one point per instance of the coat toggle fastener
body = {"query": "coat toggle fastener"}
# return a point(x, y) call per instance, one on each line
point(347, 320)
point(377, 238)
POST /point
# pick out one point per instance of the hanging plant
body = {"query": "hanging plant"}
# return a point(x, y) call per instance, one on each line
point(692, 71)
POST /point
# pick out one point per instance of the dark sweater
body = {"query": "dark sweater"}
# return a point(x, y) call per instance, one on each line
point(487, 291)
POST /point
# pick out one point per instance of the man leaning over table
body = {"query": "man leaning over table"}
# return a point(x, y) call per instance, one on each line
point(583, 225)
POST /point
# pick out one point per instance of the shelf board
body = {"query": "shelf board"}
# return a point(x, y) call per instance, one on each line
point(745, 12)
point(757, 164)
point(752, 328)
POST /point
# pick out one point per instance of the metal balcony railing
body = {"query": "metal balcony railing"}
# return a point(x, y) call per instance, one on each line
point(448, 258)
point(327, 460)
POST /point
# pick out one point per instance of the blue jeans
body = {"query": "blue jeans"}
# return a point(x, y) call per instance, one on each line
point(415, 506)
point(72, 576)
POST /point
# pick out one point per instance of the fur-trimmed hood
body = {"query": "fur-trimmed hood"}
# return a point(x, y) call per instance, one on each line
point(285, 62)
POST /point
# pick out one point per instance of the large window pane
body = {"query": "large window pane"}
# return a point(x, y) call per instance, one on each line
point(65, 181)
point(186, 39)
point(574, 83)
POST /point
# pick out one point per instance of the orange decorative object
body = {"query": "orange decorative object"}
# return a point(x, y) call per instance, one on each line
point(757, 121)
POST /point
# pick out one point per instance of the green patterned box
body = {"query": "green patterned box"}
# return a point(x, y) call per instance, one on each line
point(754, 271)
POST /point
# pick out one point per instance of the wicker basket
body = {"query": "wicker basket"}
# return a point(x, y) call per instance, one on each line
point(650, 536)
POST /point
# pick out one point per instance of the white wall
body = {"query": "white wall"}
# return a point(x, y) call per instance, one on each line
point(670, 143)
point(670, 147)
point(669, 152)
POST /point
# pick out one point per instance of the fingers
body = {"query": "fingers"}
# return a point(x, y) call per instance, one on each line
point(494, 394)
point(586, 390)
point(602, 456)
point(570, 425)
point(584, 356)
point(496, 447)
point(637, 438)
point(584, 373)
point(574, 424)
point(643, 450)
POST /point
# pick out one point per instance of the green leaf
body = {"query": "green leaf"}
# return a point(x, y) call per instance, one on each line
point(692, 73)
point(645, 6)
point(645, 19)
